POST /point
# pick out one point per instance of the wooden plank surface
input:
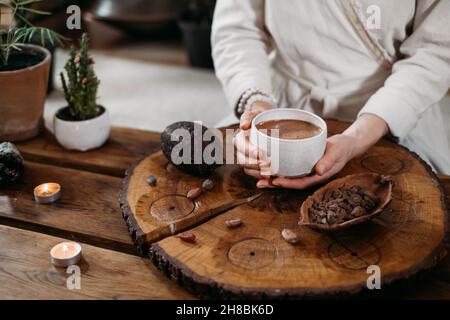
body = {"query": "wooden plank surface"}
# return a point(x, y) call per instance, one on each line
point(26, 272)
point(87, 211)
point(122, 149)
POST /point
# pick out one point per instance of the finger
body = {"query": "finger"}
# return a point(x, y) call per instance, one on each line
point(328, 160)
point(265, 184)
point(246, 119)
point(253, 164)
point(305, 182)
point(264, 167)
point(248, 162)
point(243, 145)
point(261, 156)
point(253, 173)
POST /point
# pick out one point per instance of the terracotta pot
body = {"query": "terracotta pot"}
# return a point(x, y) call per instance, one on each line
point(22, 98)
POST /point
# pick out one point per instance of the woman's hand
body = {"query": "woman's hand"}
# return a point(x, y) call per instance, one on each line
point(340, 149)
point(252, 159)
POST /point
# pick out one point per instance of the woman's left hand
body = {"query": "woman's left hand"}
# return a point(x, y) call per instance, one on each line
point(340, 149)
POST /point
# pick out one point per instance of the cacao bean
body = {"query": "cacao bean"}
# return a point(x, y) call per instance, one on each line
point(358, 211)
point(194, 193)
point(187, 237)
point(233, 223)
point(289, 235)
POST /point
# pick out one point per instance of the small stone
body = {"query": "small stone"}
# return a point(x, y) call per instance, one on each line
point(233, 223)
point(187, 237)
point(208, 185)
point(289, 235)
point(151, 180)
point(194, 193)
point(11, 163)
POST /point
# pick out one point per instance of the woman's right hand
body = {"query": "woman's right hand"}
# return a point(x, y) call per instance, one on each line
point(254, 161)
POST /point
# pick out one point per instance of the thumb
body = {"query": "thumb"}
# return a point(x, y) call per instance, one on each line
point(328, 160)
point(246, 120)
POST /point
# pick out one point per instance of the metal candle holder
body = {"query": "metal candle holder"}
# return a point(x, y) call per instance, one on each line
point(47, 193)
point(65, 254)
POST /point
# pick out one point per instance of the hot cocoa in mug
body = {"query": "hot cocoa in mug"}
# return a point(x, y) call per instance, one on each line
point(294, 140)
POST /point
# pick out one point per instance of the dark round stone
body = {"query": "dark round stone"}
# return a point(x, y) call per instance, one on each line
point(208, 185)
point(151, 180)
point(169, 140)
point(11, 163)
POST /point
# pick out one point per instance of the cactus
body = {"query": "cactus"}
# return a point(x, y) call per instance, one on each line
point(80, 88)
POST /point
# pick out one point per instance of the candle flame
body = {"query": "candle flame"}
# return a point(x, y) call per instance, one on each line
point(46, 188)
point(65, 248)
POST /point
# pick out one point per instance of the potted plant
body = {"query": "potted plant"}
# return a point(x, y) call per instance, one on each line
point(24, 71)
point(82, 124)
point(195, 25)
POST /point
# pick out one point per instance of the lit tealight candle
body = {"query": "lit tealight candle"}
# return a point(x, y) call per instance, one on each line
point(65, 254)
point(47, 192)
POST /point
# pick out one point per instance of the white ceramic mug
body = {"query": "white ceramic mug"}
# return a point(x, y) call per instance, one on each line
point(290, 158)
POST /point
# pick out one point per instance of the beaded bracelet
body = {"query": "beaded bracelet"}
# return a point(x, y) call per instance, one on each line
point(258, 97)
point(249, 97)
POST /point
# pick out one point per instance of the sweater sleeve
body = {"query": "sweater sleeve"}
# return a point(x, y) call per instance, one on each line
point(422, 77)
point(240, 46)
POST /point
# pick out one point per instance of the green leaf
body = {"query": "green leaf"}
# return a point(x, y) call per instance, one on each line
point(50, 37)
point(36, 11)
point(27, 2)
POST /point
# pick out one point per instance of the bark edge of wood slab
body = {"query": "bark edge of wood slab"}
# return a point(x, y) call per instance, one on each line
point(134, 230)
point(410, 236)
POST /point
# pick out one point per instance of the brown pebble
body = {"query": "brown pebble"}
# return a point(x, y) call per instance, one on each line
point(194, 193)
point(187, 236)
point(289, 235)
point(234, 223)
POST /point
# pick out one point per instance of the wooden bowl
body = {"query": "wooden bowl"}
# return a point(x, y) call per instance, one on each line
point(379, 185)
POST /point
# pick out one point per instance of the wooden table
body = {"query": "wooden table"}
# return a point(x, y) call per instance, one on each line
point(89, 213)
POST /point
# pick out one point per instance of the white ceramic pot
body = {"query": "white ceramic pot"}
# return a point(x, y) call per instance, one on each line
point(82, 135)
point(290, 158)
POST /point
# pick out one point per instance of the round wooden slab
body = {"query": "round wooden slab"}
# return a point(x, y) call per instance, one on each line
point(253, 260)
